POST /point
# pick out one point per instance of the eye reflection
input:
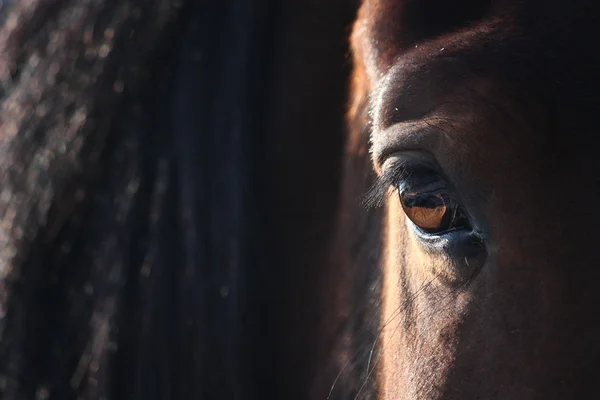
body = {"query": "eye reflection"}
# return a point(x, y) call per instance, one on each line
point(428, 211)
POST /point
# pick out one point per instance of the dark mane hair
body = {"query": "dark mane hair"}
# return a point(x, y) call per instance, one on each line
point(127, 204)
point(160, 226)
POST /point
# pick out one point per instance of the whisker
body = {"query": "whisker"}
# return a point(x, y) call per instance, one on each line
point(337, 378)
point(394, 315)
point(432, 312)
point(441, 304)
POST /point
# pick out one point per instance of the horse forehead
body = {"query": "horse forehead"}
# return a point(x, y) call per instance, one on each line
point(386, 57)
point(389, 29)
point(460, 68)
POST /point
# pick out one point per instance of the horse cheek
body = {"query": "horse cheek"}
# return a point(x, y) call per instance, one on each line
point(421, 317)
point(395, 362)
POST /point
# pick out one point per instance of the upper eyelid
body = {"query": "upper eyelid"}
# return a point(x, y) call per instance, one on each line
point(407, 161)
point(401, 166)
point(426, 187)
point(393, 171)
point(403, 137)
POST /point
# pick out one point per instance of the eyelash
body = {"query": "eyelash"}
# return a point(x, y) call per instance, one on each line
point(384, 186)
point(387, 184)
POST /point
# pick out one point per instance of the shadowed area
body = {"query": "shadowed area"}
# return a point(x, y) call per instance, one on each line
point(169, 174)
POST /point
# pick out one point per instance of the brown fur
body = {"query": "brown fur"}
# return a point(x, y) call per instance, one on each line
point(506, 93)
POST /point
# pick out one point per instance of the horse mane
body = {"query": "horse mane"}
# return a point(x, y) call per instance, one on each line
point(136, 158)
point(75, 184)
point(122, 229)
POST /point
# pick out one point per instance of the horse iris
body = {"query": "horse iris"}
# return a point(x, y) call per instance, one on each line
point(428, 211)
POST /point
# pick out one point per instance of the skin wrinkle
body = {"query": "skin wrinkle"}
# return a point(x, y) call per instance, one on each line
point(464, 117)
point(503, 101)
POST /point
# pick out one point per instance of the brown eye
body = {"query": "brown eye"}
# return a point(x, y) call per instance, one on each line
point(429, 211)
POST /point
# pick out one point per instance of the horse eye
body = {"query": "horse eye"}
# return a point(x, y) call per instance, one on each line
point(432, 212)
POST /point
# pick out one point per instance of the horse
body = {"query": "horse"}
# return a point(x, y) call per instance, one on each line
point(467, 270)
point(181, 216)
point(169, 178)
